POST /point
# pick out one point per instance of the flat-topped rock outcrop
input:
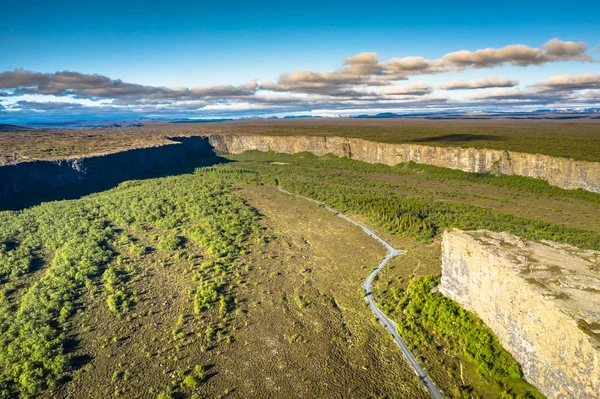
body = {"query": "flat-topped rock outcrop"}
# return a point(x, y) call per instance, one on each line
point(541, 299)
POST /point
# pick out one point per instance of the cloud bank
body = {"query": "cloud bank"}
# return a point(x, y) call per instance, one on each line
point(79, 85)
point(362, 82)
point(365, 69)
point(569, 89)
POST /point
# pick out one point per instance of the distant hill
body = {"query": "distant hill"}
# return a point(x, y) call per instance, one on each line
point(571, 113)
point(200, 120)
point(380, 115)
point(11, 128)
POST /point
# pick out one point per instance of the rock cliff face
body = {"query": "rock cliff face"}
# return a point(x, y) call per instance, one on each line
point(561, 172)
point(46, 179)
point(542, 300)
point(21, 178)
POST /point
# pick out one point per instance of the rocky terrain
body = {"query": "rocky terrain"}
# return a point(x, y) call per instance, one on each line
point(562, 172)
point(541, 299)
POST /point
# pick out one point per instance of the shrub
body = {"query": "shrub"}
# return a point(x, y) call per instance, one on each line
point(169, 242)
point(425, 311)
point(191, 382)
point(74, 242)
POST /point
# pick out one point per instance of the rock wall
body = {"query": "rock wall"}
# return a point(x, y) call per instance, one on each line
point(541, 299)
point(47, 178)
point(561, 172)
point(19, 179)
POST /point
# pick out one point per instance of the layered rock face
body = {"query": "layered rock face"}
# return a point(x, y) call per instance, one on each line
point(541, 299)
point(20, 178)
point(561, 172)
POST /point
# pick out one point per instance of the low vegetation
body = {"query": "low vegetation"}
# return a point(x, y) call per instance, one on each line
point(452, 176)
point(78, 272)
point(424, 317)
point(417, 215)
point(427, 316)
point(53, 253)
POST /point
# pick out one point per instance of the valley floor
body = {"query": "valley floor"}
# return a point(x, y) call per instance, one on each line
point(215, 284)
point(301, 327)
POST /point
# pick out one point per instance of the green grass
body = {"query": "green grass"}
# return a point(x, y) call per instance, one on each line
point(415, 216)
point(78, 243)
point(423, 219)
point(54, 255)
point(426, 316)
point(332, 163)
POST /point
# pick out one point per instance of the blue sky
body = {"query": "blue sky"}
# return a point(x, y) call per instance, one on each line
point(192, 43)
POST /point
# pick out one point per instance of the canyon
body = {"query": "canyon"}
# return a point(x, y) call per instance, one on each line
point(541, 299)
point(20, 179)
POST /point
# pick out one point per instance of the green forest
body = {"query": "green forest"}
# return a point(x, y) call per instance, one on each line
point(403, 210)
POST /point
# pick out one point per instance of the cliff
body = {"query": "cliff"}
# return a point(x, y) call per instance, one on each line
point(19, 181)
point(541, 299)
point(562, 172)
point(27, 183)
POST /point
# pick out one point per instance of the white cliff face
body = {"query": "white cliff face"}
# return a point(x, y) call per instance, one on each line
point(542, 300)
point(561, 172)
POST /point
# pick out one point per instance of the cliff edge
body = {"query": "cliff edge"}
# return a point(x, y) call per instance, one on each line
point(561, 172)
point(28, 183)
point(541, 299)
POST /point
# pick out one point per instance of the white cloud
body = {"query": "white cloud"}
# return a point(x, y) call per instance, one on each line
point(483, 83)
point(362, 82)
point(568, 82)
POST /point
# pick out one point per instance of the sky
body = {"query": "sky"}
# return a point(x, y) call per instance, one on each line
point(193, 59)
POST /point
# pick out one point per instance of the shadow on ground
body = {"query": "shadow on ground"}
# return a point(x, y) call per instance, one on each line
point(31, 183)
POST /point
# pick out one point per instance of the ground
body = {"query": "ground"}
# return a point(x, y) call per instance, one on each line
point(572, 138)
point(301, 326)
point(288, 317)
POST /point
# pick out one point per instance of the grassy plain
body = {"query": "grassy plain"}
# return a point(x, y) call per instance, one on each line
point(409, 205)
point(437, 197)
point(578, 139)
point(297, 325)
point(214, 284)
point(281, 314)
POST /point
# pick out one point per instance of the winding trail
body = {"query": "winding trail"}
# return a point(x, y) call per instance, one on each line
point(389, 325)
